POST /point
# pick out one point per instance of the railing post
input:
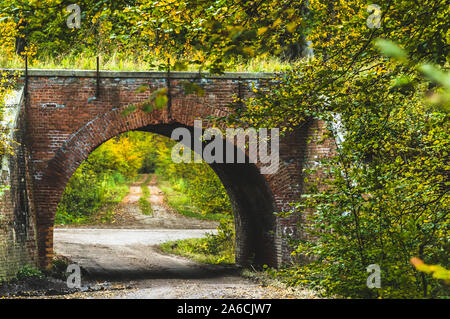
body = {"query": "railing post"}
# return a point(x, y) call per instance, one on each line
point(240, 92)
point(97, 90)
point(169, 94)
point(25, 86)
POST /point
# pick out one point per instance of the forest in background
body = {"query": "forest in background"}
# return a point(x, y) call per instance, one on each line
point(103, 178)
point(384, 199)
point(194, 190)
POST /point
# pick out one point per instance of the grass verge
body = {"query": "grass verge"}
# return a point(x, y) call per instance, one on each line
point(103, 208)
point(198, 250)
point(144, 204)
point(182, 203)
point(118, 61)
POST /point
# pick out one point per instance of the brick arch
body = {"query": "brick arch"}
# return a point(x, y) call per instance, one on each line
point(64, 118)
point(250, 192)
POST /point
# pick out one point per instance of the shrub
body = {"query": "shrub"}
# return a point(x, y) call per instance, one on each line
point(27, 272)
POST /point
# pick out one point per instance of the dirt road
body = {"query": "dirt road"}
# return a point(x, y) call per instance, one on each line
point(128, 257)
point(132, 259)
point(126, 253)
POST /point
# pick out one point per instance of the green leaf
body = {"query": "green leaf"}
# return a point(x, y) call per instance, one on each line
point(128, 110)
point(180, 66)
point(161, 101)
point(435, 75)
point(147, 107)
point(191, 87)
point(142, 89)
point(390, 49)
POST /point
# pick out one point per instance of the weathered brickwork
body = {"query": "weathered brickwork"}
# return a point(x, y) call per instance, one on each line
point(316, 148)
point(65, 123)
point(17, 217)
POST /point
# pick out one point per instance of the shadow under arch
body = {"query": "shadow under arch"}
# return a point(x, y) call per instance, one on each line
point(251, 198)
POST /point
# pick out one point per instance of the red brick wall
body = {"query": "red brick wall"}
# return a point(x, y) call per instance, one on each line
point(64, 128)
point(17, 214)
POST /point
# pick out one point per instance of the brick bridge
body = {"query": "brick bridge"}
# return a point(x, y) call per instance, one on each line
point(59, 123)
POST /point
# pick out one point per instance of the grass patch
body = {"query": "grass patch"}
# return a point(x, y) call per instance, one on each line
point(105, 215)
point(216, 248)
point(145, 190)
point(144, 204)
point(198, 250)
point(27, 272)
point(111, 192)
point(115, 194)
point(182, 203)
point(118, 61)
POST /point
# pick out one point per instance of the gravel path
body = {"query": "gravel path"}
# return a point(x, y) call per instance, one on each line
point(127, 214)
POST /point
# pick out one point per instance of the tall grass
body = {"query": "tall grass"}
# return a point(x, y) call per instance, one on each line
point(87, 200)
point(120, 62)
point(198, 250)
point(144, 204)
point(80, 61)
point(174, 191)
